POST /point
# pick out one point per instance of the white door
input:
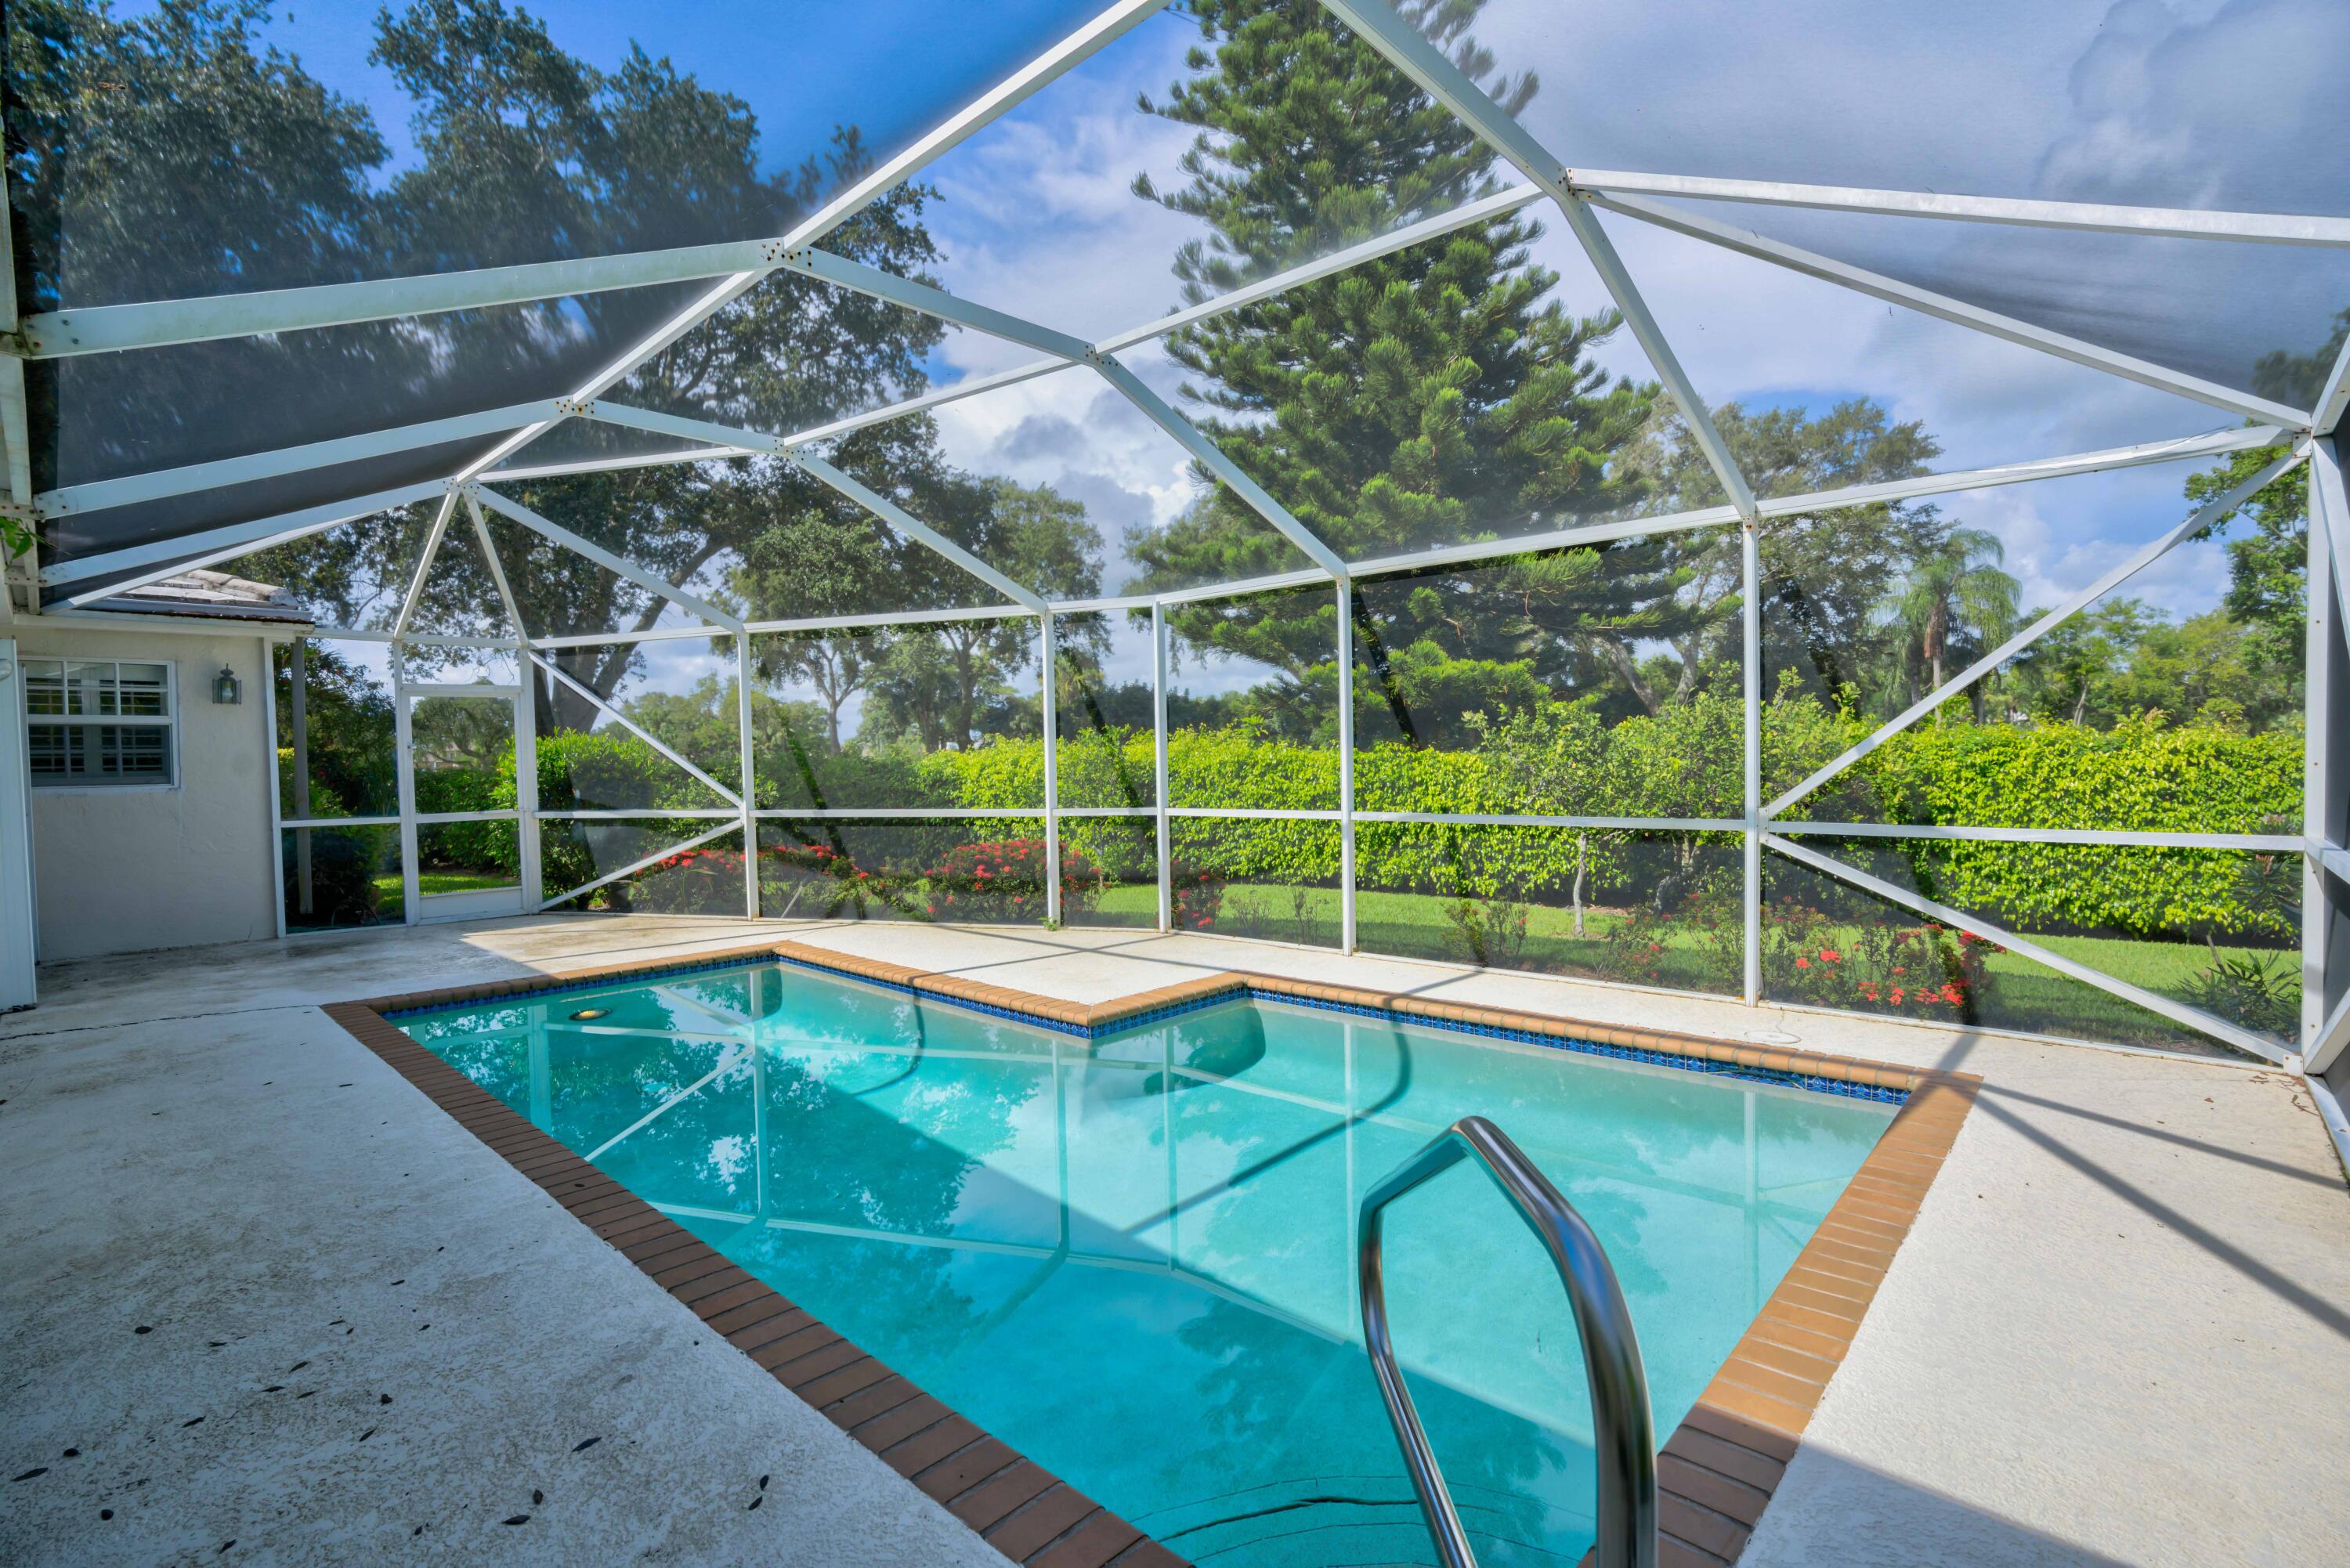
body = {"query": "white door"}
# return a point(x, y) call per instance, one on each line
point(467, 863)
point(16, 838)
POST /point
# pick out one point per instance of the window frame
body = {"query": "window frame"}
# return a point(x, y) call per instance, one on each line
point(168, 722)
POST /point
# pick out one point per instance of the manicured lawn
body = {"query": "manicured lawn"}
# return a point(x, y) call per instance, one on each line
point(2020, 994)
point(386, 885)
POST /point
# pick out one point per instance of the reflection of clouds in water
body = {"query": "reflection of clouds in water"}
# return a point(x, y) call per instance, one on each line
point(728, 1158)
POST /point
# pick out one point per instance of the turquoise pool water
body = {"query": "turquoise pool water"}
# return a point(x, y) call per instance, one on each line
point(1130, 1257)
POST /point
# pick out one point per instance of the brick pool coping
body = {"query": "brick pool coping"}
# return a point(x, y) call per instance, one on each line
point(1716, 1473)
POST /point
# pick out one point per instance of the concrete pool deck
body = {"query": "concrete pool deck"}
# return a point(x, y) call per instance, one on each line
point(2119, 1331)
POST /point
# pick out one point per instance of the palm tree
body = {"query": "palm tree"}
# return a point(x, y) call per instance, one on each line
point(1956, 599)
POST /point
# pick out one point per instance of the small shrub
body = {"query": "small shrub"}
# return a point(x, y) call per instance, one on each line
point(1928, 969)
point(1197, 896)
point(691, 882)
point(1632, 950)
point(2260, 992)
point(342, 879)
point(1491, 933)
point(816, 881)
point(1002, 881)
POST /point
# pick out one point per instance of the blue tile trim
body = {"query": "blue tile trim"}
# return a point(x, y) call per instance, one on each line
point(1840, 1088)
point(1812, 1081)
point(526, 990)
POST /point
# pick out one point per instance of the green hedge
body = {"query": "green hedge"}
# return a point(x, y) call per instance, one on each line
point(1684, 762)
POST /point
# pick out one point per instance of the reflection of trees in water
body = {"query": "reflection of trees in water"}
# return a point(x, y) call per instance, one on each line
point(837, 1157)
point(1293, 1442)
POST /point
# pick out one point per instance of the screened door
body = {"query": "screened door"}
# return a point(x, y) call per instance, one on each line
point(464, 856)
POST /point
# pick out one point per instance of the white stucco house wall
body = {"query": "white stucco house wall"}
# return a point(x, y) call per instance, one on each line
point(160, 837)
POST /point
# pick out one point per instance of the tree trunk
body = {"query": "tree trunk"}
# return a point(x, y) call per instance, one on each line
point(1620, 655)
point(1383, 673)
point(1582, 843)
point(967, 690)
point(1938, 637)
point(1687, 684)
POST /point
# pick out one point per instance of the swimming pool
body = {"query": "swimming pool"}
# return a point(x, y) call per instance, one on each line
point(1130, 1255)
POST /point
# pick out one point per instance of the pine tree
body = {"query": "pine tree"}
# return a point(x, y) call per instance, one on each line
point(1434, 396)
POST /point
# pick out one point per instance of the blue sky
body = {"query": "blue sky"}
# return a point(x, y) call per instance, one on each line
point(803, 66)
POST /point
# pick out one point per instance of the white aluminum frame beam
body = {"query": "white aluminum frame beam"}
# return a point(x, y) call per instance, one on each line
point(1500, 204)
point(2331, 1036)
point(633, 866)
point(100, 330)
point(747, 763)
point(15, 424)
point(810, 262)
point(1212, 458)
point(1876, 286)
point(156, 485)
point(971, 386)
point(157, 324)
point(605, 558)
point(639, 731)
point(1556, 539)
point(498, 571)
point(1409, 52)
point(15, 429)
point(864, 495)
point(425, 560)
point(763, 628)
point(2159, 223)
point(568, 466)
point(2330, 517)
point(189, 550)
point(2327, 623)
point(905, 522)
point(1049, 702)
point(1111, 24)
point(2203, 518)
point(2194, 1018)
point(2259, 843)
point(2332, 400)
point(1348, 926)
point(1162, 826)
point(2216, 443)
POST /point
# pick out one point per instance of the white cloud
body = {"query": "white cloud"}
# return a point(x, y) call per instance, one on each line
point(1037, 216)
point(2139, 99)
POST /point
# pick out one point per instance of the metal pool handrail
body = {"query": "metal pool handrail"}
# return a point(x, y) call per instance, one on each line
point(1623, 1429)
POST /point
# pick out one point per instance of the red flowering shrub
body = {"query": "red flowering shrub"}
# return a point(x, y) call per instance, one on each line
point(692, 882)
point(1003, 881)
point(1197, 894)
point(1928, 971)
point(816, 881)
